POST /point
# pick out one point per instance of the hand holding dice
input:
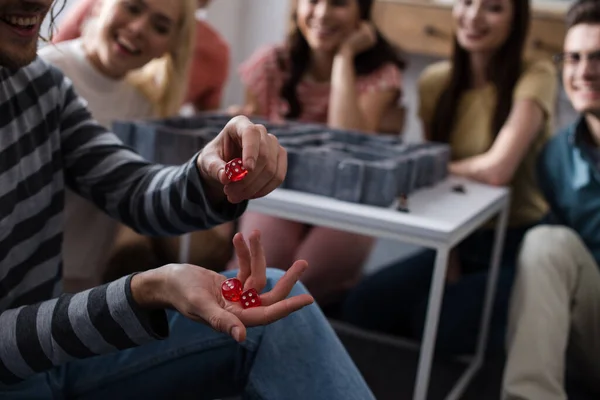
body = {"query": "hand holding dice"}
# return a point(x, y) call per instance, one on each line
point(242, 294)
point(252, 272)
point(260, 160)
point(227, 305)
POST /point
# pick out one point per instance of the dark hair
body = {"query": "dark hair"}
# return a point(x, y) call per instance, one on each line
point(295, 59)
point(503, 71)
point(54, 13)
point(583, 12)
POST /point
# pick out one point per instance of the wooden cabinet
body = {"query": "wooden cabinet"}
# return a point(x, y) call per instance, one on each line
point(425, 27)
point(416, 28)
point(546, 36)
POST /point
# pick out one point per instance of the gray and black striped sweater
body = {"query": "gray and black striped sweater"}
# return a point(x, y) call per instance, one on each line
point(48, 140)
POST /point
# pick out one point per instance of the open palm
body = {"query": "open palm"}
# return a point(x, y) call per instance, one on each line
point(196, 292)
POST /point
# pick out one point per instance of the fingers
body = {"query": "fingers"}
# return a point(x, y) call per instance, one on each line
point(274, 183)
point(244, 258)
point(258, 276)
point(275, 304)
point(267, 315)
point(223, 321)
point(252, 262)
point(212, 166)
point(268, 174)
point(262, 155)
point(242, 134)
point(248, 136)
point(271, 175)
point(285, 285)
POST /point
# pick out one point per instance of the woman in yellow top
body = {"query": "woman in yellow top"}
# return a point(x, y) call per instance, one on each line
point(495, 110)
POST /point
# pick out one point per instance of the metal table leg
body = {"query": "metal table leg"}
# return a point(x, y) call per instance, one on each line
point(490, 294)
point(433, 313)
point(436, 294)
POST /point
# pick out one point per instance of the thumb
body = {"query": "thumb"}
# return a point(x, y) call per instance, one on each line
point(223, 321)
point(213, 166)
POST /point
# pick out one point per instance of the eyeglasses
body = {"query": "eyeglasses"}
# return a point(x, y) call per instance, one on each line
point(572, 59)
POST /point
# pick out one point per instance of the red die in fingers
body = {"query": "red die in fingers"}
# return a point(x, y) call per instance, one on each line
point(234, 170)
point(250, 299)
point(232, 289)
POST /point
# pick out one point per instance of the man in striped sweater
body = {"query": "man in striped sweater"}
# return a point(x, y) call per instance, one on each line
point(102, 343)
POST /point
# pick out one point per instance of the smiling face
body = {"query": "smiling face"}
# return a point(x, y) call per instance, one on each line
point(325, 24)
point(20, 22)
point(581, 67)
point(131, 33)
point(482, 26)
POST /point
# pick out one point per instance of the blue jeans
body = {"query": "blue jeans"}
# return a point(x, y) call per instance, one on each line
point(298, 357)
point(394, 300)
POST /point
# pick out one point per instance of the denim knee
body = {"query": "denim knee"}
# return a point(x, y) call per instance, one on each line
point(275, 274)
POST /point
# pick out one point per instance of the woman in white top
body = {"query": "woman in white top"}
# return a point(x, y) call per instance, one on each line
point(131, 62)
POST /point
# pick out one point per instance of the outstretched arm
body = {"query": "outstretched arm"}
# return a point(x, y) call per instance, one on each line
point(152, 199)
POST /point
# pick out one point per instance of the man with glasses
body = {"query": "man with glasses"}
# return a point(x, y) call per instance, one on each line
point(555, 313)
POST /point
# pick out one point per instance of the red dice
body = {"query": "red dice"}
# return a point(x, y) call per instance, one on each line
point(232, 289)
point(234, 170)
point(250, 299)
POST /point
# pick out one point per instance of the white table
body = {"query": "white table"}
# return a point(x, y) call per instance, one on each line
point(438, 218)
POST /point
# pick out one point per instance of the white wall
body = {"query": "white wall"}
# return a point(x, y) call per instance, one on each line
point(247, 25)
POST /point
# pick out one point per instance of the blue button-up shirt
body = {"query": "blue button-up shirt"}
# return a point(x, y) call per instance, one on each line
point(569, 177)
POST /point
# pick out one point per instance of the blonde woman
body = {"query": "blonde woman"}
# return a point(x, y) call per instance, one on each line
point(210, 64)
point(131, 62)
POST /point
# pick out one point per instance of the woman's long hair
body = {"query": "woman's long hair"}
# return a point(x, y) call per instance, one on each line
point(296, 59)
point(503, 72)
point(163, 80)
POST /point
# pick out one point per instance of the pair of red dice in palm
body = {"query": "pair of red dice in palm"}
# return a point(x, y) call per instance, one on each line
point(232, 290)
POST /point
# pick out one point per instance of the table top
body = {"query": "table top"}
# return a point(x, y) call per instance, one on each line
point(437, 215)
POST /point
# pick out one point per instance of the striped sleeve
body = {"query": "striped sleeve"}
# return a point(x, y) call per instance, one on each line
point(152, 199)
point(98, 321)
